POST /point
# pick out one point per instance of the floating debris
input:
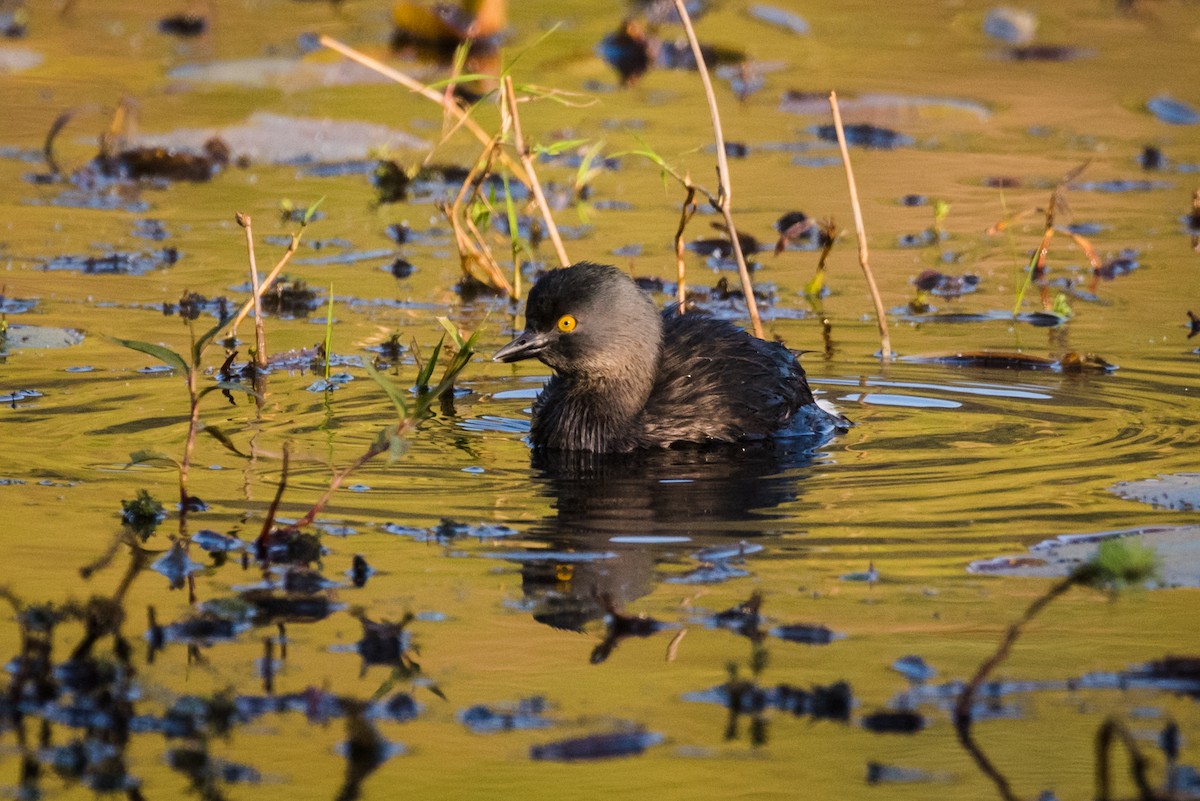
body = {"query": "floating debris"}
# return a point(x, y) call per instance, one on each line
point(360, 571)
point(596, 746)
point(1151, 158)
point(893, 722)
point(1045, 52)
point(946, 286)
point(831, 702)
point(186, 26)
point(804, 633)
point(872, 137)
point(528, 713)
point(999, 360)
point(1193, 324)
point(1179, 492)
point(166, 163)
point(1117, 266)
point(116, 262)
point(1118, 186)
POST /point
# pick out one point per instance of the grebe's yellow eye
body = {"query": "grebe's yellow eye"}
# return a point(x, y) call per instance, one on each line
point(566, 323)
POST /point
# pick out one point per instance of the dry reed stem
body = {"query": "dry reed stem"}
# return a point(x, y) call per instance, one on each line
point(685, 216)
point(725, 190)
point(472, 246)
point(255, 301)
point(885, 341)
point(535, 186)
point(260, 334)
point(447, 103)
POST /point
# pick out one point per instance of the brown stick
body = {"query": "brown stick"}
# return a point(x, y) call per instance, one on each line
point(685, 216)
point(885, 341)
point(255, 301)
point(449, 104)
point(260, 334)
point(535, 186)
point(725, 190)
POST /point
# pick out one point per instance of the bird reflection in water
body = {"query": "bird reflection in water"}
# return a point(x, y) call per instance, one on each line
point(618, 515)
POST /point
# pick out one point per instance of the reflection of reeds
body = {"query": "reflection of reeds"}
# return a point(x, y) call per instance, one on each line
point(725, 189)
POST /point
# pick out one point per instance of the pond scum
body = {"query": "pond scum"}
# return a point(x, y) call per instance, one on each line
point(73, 704)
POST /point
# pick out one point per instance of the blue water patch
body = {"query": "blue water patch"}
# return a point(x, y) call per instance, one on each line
point(1172, 111)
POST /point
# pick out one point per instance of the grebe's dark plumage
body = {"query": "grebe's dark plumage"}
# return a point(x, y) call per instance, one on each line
point(628, 377)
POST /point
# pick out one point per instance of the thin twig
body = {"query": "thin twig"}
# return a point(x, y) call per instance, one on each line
point(447, 103)
point(885, 341)
point(260, 334)
point(535, 186)
point(254, 302)
point(725, 191)
point(685, 216)
point(472, 246)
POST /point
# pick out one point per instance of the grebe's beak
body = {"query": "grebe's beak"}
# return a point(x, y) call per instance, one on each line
point(525, 346)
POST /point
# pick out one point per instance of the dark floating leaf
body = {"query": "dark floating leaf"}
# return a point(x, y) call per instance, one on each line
point(803, 633)
point(1152, 158)
point(998, 360)
point(872, 137)
point(1193, 324)
point(166, 163)
point(185, 25)
point(529, 713)
point(272, 606)
point(360, 571)
point(401, 268)
point(596, 746)
point(1118, 186)
point(116, 263)
point(1171, 111)
point(202, 628)
point(893, 722)
point(918, 240)
point(832, 702)
point(1045, 52)
point(946, 286)
point(1120, 265)
point(1002, 182)
point(292, 298)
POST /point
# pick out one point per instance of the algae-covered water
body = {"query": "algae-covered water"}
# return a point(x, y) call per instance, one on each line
point(882, 545)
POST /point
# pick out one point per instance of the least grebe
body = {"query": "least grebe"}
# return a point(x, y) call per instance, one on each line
point(628, 377)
